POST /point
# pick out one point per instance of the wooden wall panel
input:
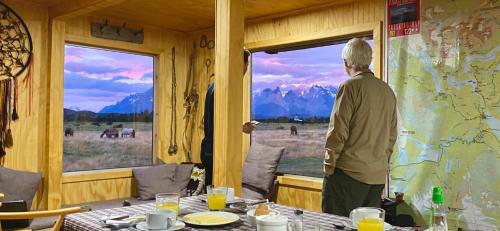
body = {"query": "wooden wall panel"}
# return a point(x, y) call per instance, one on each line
point(29, 132)
point(300, 192)
point(305, 198)
point(98, 190)
point(203, 79)
point(348, 14)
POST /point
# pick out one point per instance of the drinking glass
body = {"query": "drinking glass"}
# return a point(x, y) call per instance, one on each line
point(216, 197)
point(368, 219)
point(168, 201)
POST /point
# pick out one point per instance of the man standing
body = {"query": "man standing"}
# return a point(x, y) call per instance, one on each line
point(207, 144)
point(361, 136)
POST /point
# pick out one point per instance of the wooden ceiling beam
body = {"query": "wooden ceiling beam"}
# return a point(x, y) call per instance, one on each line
point(74, 8)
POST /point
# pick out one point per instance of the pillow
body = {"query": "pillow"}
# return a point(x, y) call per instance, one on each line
point(156, 179)
point(182, 177)
point(19, 185)
point(260, 166)
point(159, 161)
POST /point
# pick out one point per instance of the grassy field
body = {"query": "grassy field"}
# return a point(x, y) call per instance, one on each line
point(304, 152)
point(85, 150)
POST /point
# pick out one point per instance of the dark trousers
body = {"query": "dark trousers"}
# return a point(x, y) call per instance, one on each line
point(342, 194)
point(207, 160)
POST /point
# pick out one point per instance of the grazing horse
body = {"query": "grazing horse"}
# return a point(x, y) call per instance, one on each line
point(293, 130)
point(110, 133)
point(128, 132)
point(68, 132)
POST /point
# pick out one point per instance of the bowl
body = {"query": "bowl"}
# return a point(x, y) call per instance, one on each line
point(252, 219)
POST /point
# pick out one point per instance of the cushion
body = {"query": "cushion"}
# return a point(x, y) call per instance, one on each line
point(182, 177)
point(260, 166)
point(156, 179)
point(248, 193)
point(19, 185)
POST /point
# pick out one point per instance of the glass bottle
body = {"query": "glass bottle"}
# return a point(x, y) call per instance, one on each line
point(297, 219)
point(437, 218)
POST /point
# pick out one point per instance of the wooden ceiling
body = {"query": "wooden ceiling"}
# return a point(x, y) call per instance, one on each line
point(188, 15)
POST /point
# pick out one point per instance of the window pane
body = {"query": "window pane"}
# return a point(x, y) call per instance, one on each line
point(108, 109)
point(293, 93)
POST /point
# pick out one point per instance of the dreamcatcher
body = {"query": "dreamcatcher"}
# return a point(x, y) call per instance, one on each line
point(15, 55)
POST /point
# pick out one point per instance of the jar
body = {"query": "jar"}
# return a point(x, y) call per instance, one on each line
point(272, 223)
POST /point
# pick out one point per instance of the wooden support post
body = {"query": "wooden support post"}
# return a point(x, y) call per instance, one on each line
point(55, 118)
point(228, 93)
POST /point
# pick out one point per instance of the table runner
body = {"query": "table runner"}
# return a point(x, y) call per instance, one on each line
point(89, 221)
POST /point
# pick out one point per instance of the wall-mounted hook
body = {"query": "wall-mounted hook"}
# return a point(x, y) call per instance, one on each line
point(139, 33)
point(121, 32)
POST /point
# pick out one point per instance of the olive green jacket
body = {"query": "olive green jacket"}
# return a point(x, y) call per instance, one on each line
point(363, 129)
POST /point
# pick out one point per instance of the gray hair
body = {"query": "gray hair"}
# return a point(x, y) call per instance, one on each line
point(357, 53)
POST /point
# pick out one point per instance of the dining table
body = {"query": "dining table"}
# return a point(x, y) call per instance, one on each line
point(92, 220)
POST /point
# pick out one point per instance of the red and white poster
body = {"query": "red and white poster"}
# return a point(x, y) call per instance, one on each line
point(403, 17)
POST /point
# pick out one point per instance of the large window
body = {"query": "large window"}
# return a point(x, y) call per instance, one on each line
point(293, 92)
point(108, 109)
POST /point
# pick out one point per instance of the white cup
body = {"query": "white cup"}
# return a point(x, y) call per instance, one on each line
point(230, 195)
point(163, 219)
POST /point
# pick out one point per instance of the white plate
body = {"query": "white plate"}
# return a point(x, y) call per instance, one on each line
point(348, 224)
point(191, 218)
point(144, 226)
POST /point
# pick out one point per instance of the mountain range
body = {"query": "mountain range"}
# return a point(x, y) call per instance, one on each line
point(137, 103)
point(317, 101)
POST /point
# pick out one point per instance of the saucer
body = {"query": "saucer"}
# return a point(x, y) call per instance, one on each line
point(144, 226)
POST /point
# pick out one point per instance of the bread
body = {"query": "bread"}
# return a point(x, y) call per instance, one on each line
point(262, 209)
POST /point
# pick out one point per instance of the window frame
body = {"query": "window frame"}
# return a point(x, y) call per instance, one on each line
point(159, 57)
point(154, 57)
point(375, 30)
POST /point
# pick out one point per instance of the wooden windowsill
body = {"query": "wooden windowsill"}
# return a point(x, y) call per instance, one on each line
point(305, 182)
point(105, 174)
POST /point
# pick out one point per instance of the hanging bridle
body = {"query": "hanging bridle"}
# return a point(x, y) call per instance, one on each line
point(172, 148)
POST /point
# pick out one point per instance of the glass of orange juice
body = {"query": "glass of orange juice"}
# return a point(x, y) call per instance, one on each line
point(168, 201)
point(370, 224)
point(216, 197)
point(368, 219)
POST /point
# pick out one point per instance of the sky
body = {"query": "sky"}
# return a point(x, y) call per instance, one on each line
point(298, 70)
point(95, 78)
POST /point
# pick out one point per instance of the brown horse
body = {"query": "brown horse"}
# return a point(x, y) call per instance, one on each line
point(293, 130)
point(110, 133)
point(68, 132)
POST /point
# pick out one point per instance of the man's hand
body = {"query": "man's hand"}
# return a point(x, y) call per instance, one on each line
point(248, 127)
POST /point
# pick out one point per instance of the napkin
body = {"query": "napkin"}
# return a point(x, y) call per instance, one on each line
point(124, 223)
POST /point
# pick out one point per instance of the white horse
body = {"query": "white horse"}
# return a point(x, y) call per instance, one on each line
point(128, 132)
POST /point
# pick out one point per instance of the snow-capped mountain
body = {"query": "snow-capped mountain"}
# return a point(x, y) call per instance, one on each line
point(135, 103)
point(272, 103)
